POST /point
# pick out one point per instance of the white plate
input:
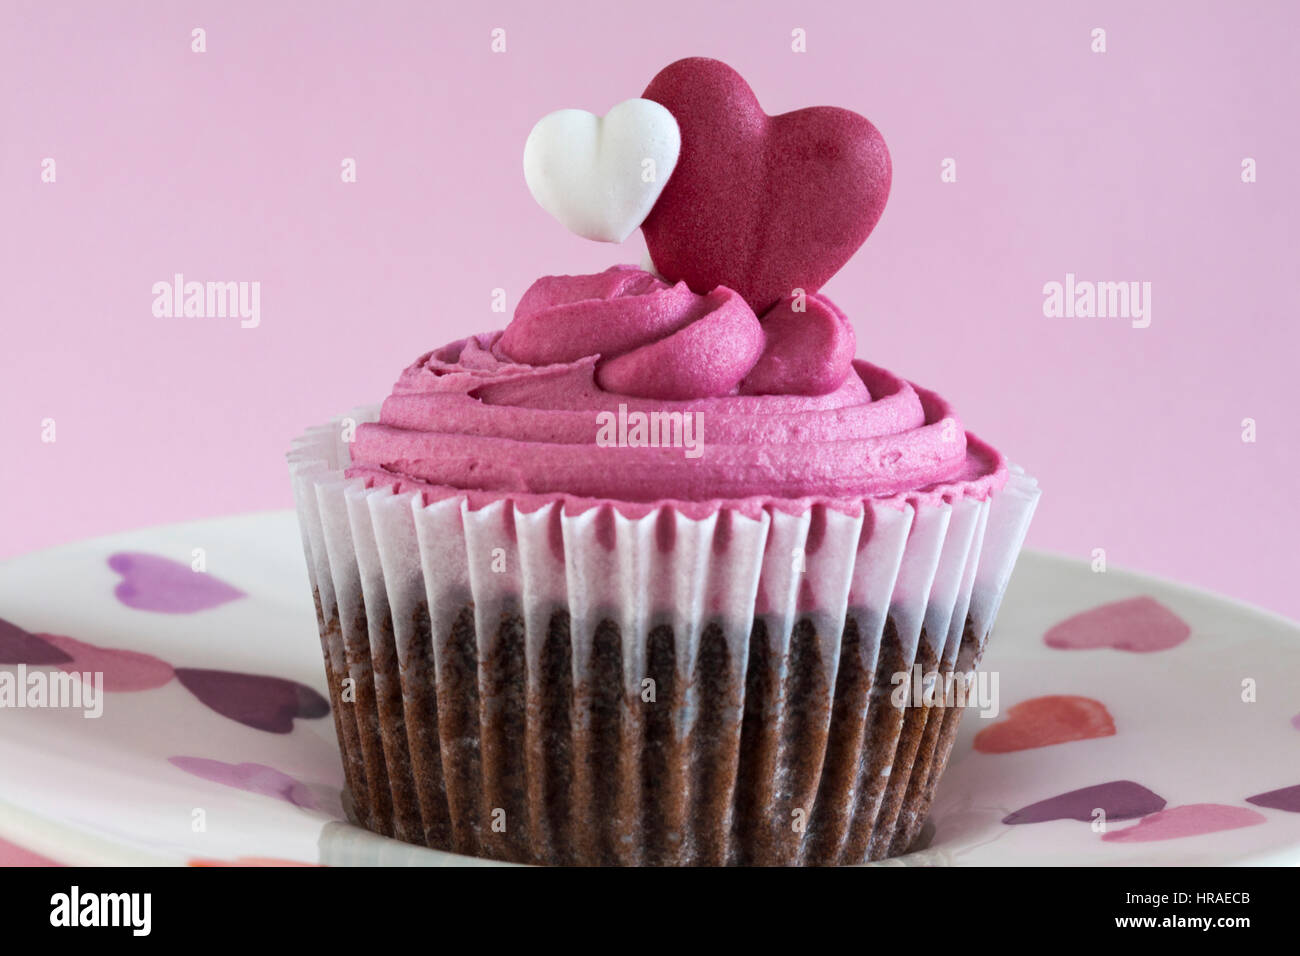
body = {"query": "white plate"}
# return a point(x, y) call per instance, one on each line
point(158, 778)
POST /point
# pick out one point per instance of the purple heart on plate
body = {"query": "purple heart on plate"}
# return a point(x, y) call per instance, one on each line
point(1288, 799)
point(1120, 799)
point(253, 777)
point(255, 700)
point(18, 646)
point(154, 583)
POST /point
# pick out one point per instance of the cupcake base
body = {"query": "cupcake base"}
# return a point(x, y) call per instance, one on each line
point(564, 684)
point(479, 757)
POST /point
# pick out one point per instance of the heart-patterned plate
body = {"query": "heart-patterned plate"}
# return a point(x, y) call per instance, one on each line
point(1137, 721)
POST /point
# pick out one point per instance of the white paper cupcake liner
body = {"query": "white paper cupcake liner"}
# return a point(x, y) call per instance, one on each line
point(498, 663)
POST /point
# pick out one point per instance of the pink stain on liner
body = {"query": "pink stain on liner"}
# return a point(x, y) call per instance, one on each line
point(1192, 819)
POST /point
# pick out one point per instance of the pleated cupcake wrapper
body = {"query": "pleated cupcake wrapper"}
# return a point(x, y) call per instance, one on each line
point(722, 687)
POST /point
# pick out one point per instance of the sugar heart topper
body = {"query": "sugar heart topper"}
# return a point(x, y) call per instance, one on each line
point(600, 176)
point(761, 204)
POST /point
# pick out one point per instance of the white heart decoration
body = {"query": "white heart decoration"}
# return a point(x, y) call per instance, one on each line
point(601, 175)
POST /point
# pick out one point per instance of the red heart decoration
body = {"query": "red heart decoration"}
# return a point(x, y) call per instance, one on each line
point(761, 204)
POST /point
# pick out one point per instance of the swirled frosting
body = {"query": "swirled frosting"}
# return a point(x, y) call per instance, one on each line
point(550, 407)
point(655, 340)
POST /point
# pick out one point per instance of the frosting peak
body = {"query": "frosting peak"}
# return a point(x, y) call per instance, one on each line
point(653, 339)
point(565, 318)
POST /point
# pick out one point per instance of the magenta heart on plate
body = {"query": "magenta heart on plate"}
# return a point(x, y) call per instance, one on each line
point(761, 204)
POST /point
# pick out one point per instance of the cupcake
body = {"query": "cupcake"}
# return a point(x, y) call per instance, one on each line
point(637, 579)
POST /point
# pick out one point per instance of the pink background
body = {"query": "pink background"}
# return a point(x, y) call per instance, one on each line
point(226, 166)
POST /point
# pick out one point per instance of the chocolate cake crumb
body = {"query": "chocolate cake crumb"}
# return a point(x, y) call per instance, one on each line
point(549, 746)
point(502, 720)
point(456, 688)
point(663, 756)
point(345, 723)
point(356, 646)
point(465, 742)
point(714, 742)
point(835, 797)
point(905, 749)
point(423, 733)
point(391, 716)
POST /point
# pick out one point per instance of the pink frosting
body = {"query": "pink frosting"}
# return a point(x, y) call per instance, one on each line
point(656, 340)
point(808, 349)
point(706, 359)
point(564, 318)
point(471, 418)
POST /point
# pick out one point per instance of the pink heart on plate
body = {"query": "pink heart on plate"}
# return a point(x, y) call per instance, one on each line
point(154, 583)
point(1191, 819)
point(1140, 624)
point(761, 204)
point(122, 670)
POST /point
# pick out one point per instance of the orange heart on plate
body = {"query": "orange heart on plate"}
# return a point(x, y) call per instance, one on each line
point(1044, 721)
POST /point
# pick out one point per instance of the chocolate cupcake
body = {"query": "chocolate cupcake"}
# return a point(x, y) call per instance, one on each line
point(637, 579)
